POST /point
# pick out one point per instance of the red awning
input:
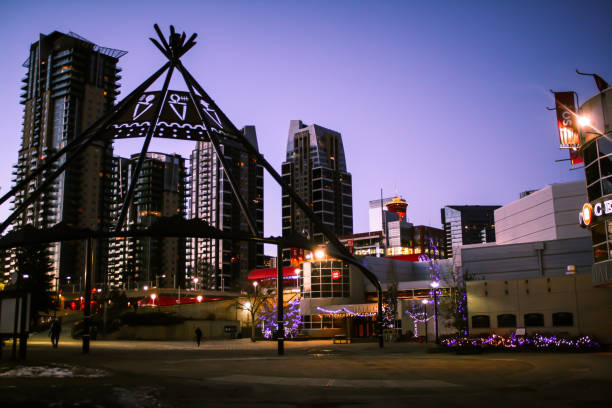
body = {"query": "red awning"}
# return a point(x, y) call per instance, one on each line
point(270, 273)
point(162, 300)
point(407, 258)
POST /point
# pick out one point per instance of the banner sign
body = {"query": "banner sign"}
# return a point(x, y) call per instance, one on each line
point(567, 124)
point(575, 156)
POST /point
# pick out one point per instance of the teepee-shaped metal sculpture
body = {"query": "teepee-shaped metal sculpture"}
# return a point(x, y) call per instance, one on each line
point(190, 115)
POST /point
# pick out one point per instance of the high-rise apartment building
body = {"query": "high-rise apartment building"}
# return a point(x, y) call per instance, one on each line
point(315, 168)
point(224, 264)
point(161, 191)
point(69, 84)
point(468, 224)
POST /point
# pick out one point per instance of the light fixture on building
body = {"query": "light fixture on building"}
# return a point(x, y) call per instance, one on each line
point(571, 270)
point(584, 121)
point(319, 254)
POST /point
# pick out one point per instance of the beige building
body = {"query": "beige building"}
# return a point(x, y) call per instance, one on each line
point(544, 215)
point(537, 275)
point(564, 304)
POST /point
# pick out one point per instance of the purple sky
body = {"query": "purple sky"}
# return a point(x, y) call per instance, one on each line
point(445, 101)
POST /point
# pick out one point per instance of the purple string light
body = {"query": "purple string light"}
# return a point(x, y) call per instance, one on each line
point(513, 341)
point(292, 317)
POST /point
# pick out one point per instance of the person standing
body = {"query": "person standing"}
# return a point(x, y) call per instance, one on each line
point(198, 335)
point(54, 332)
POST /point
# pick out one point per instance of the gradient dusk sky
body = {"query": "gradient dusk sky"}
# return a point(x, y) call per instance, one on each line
point(444, 101)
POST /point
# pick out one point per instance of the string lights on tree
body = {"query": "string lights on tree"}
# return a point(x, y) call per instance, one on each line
point(458, 293)
point(292, 318)
point(418, 317)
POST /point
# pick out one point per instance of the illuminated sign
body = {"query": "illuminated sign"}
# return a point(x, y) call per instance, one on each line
point(569, 136)
point(335, 275)
point(587, 214)
point(592, 212)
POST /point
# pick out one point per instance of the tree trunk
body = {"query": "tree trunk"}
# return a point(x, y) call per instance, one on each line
point(252, 328)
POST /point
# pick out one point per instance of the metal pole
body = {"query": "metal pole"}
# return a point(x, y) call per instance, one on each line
point(23, 336)
point(15, 323)
point(426, 324)
point(279, 301)
point(87, 309)
point(436, 312)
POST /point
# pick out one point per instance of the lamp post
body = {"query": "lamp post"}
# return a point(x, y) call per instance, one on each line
point(280, 334)
point(425, 302)
point(435, 285)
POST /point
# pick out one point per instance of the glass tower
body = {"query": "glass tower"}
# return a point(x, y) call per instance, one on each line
point(468, 224)
point(69, 84)
point(161, 191)
point(224, 264)
point(315, 167)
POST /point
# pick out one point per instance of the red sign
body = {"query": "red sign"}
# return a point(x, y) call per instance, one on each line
point(576, 156)
point(567, 123)
point(297, 256)
point(335, 275)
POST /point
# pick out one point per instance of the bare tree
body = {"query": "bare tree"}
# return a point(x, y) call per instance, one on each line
point(252, 303)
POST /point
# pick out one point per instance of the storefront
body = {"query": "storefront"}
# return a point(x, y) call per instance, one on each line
point(594, 117)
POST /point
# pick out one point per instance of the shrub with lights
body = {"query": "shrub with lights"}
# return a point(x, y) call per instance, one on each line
point(514, 342)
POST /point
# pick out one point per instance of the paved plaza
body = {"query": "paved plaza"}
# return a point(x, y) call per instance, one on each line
point(312, 373)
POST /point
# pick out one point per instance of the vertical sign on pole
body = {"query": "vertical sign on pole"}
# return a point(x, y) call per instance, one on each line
point(567, 124)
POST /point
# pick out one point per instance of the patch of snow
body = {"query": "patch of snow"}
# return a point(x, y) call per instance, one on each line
point(54, 372)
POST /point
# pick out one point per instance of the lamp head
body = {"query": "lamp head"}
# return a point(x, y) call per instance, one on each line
point(584, 121)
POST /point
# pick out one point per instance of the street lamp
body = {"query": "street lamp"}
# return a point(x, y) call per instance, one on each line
point(195, 283)
point(319, 254)
point(584, 121)
point(435, 285)
point(425, 302)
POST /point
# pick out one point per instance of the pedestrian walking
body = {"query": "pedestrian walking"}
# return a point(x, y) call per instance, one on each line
point(54, 332)
point(198, 336)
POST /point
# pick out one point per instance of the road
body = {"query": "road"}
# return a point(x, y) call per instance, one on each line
point(238, 373)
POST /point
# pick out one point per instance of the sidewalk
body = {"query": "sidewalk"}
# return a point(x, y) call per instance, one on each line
point(239, 344)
